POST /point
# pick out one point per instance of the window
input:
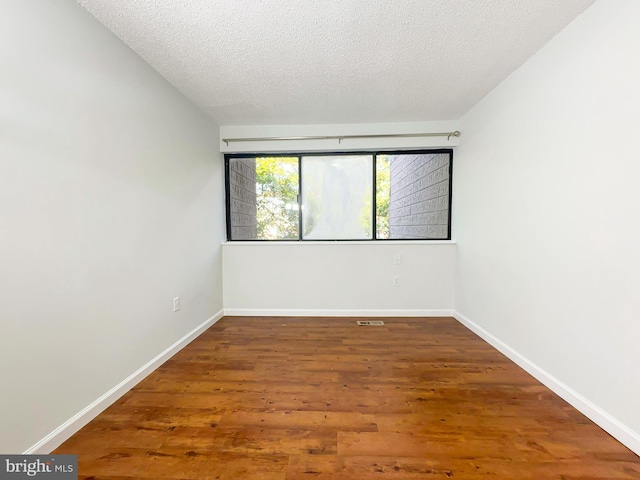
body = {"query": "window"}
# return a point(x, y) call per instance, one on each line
point(339, 196)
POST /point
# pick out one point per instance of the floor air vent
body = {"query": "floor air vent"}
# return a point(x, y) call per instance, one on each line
point(370, 323)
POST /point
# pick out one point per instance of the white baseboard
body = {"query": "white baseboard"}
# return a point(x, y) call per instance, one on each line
point(604, 420)
point(286, 312)
point(79, 420)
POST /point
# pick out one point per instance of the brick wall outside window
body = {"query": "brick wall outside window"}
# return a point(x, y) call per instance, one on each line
point(419, 196)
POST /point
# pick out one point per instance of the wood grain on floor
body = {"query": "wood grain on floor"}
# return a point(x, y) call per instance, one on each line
point(321, 398)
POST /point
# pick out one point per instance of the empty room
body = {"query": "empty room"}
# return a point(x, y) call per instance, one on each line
point(332, 239)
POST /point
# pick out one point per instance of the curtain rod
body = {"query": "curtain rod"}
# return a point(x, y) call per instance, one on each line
point(342, 137)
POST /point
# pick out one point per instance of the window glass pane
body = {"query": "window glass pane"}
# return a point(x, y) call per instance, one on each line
point(382, 196)
point(264, 198)
point(337, 197)
point(419, 196)
point(411, 193)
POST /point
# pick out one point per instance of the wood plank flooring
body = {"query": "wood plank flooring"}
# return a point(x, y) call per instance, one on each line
point(321, 398)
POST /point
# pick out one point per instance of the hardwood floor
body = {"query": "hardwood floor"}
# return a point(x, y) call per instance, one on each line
point(321, 398)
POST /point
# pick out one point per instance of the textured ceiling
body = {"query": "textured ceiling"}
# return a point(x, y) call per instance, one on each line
point(255, 62)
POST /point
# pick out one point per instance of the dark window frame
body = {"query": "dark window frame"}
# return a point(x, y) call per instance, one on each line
point(299, 155)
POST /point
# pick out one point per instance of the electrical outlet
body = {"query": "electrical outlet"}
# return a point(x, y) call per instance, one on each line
point(176, 304)
point(397, 259)
point(395, 280)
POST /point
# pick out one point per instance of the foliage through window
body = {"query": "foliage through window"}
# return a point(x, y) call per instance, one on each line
point(339, 196)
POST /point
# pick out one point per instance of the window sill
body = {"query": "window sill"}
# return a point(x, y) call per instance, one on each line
point(278, 243)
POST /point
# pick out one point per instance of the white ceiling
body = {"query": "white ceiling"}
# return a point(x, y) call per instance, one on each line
point(260, 62)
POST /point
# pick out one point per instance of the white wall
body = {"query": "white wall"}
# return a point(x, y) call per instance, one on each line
point(333, 278)
point(338, 278)
point(546, 208)
point(111, 204)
